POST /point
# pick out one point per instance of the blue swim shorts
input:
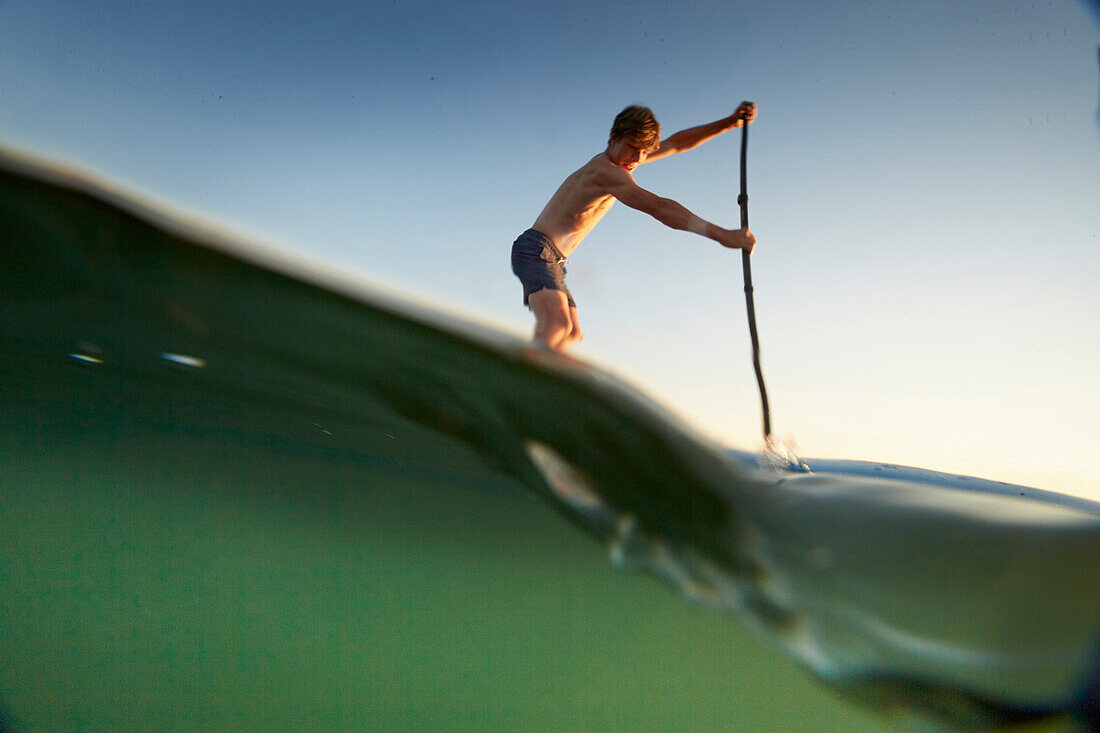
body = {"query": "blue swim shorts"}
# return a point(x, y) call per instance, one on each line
point(538, 264)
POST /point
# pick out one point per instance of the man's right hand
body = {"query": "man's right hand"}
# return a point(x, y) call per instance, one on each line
point(745, 113)
point(739, 239)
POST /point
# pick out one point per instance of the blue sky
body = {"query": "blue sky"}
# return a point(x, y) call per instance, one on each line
point(923, 175)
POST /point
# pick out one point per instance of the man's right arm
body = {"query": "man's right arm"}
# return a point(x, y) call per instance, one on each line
point(673, 214)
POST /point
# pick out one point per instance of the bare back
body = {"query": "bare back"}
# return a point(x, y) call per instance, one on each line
point(578, 204)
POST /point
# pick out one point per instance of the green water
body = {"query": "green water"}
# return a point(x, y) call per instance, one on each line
point(283, 538)
point(158, 581)
point(238, 495)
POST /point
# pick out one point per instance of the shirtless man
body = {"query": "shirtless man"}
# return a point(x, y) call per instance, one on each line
point(585, 196)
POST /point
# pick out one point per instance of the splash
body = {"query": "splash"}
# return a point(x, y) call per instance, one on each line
point(924, 603)
point(780, 456)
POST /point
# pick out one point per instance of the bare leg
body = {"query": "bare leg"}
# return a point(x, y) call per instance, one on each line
point(575, 332)
point(554, 319)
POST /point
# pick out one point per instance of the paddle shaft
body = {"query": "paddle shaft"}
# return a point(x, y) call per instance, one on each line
point(743, 202)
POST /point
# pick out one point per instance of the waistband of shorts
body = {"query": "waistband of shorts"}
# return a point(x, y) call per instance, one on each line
point(536, 234)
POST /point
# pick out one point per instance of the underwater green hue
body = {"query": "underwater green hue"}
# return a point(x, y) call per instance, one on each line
point(240, 496)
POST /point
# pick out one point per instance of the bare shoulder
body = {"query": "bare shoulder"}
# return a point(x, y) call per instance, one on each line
point(600, 163)
point(604, 176)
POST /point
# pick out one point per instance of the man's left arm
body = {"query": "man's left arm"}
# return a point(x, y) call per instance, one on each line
point(693, 137)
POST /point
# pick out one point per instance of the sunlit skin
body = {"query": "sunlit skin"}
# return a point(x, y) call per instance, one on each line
point(586, 195)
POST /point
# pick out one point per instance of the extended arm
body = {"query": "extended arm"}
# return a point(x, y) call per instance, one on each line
point(693, 137)
point(673, 214)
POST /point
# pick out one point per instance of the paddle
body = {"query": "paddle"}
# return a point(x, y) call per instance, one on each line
point(743, 202)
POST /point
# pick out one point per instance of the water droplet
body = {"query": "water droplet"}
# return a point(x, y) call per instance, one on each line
point(184, 360)
point(87, 353)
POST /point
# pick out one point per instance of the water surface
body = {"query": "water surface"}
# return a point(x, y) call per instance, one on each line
point(241, 493)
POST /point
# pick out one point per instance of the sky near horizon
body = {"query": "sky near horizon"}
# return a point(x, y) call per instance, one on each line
point(924, 181)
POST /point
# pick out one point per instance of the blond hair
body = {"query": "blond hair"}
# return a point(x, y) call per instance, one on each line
point(637, 124)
